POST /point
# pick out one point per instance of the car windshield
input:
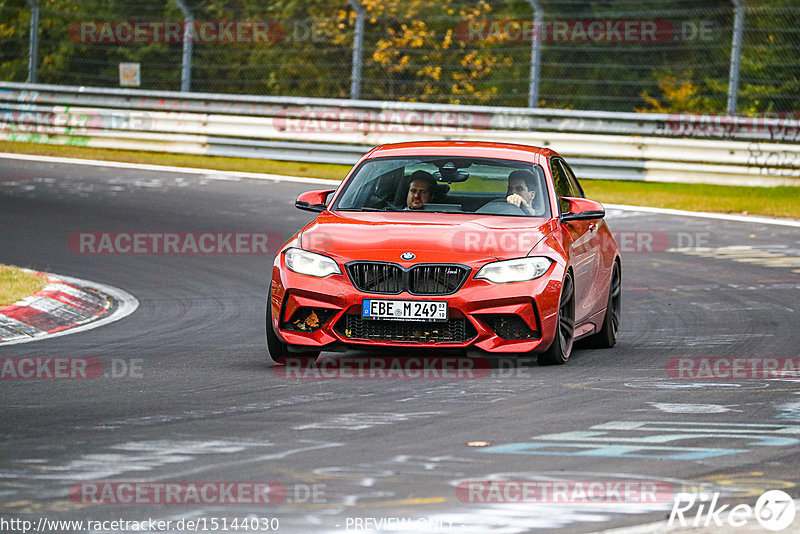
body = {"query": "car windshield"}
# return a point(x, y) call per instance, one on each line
point(447, 185)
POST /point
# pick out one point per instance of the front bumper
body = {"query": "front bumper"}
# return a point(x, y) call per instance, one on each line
point(314, 313)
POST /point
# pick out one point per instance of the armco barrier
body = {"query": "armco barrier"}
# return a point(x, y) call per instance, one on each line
point(607, 145)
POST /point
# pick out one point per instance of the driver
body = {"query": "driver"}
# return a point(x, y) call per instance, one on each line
point(420, 190)
point(522, 190)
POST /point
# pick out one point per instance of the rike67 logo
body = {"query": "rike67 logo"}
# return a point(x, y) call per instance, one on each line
point(774, 510)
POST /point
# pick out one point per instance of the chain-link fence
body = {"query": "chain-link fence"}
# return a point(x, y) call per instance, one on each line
point(618, 55)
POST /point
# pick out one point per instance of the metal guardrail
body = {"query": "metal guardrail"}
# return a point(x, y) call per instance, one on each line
point(631, 146)
point(714, 126)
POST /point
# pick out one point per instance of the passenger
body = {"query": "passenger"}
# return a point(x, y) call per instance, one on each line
point(522, 190)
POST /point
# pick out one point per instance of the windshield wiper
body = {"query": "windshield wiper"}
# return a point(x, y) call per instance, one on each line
point(445, 211)
point(369, 208)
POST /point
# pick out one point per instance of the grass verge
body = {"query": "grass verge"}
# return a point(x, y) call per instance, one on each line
point(783, 201)
point(16, 284)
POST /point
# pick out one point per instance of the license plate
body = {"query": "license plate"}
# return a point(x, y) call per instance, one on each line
point(404, 310)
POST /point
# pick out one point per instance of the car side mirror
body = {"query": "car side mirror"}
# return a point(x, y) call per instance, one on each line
point(313, 200)
point(582, 209)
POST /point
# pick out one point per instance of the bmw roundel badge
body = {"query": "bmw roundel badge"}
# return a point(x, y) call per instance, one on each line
point(408, 255)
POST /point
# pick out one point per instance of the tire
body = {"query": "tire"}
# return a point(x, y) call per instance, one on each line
point(278, 350)
point(607, 336)
point(559, 351)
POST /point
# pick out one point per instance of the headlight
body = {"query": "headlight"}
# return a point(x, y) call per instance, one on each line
point(519, 270)
point(304, 262)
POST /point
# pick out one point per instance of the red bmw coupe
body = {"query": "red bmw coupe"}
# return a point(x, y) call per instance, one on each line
point(448, 244)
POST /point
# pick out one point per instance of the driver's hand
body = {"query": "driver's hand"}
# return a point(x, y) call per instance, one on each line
point(517, 201)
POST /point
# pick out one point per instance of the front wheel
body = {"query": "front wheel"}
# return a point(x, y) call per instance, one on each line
point(278, 350)
point(561, 348)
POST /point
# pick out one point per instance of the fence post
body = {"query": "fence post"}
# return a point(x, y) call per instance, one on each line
point(536, 54)
point(188, 40)
point(736, 54)
point(358, 49)
point(33, 46)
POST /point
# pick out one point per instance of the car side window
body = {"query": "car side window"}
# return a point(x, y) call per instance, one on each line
point(561, 181)
point(575, 186)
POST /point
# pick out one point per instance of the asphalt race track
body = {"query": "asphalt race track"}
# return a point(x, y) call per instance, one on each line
point(192, 397)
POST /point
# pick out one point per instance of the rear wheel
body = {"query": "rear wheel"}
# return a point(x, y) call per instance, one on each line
point(278, 350)
point(561, 348)
point(607, 336)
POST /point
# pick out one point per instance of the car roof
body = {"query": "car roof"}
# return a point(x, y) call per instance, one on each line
point(477, 149)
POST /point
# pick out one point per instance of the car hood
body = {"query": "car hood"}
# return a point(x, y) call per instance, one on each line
point(431, 237)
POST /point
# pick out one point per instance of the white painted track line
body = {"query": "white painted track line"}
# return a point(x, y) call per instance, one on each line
point(755, 219)
point(222, 175)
